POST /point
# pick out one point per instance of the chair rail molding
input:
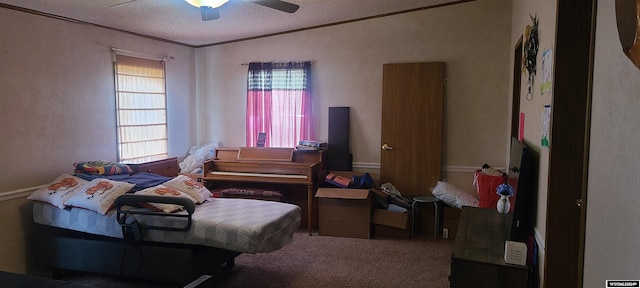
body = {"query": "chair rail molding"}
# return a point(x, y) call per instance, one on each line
point(447, 168)
point(20, 193)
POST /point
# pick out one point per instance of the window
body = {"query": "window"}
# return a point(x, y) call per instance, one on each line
point(279, 103)
point(141, 108)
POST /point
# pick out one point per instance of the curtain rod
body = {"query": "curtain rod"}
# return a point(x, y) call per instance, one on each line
point(144, 55)
point(247, 64)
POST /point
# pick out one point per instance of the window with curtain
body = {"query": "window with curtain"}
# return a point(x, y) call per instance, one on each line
point(141, 108)
point(279, 103)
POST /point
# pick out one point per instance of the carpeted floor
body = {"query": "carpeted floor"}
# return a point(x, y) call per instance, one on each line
point(321, 261)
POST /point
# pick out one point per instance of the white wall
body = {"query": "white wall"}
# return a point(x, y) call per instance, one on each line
point(347, 71)
point(613, 217)
point(57, 96)
point(57, 106)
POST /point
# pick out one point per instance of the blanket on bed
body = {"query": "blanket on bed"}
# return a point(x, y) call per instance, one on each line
point(142, 180)
point(102, 168)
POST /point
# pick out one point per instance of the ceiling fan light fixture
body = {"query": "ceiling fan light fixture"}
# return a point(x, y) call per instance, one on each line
point(207, 3)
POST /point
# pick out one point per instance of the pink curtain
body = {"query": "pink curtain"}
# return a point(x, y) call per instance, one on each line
point(279, 103)
point(258, 103)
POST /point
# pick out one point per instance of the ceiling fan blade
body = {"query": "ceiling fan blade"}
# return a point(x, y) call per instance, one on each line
point(121, 3)
point(209, 13)
point(278, 5)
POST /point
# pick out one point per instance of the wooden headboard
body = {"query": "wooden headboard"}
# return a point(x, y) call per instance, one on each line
point(165, 167)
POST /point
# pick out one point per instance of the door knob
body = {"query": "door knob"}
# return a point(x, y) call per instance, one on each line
point(386, 147)
point(579, 203)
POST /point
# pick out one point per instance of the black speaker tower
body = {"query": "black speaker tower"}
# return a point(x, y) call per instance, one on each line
point(339, 157)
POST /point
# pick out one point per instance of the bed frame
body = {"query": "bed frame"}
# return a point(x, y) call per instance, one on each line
point(15, 280)
point(131, 257)
point(61, 249)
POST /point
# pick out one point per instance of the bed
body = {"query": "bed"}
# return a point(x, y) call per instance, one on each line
point(138, 239)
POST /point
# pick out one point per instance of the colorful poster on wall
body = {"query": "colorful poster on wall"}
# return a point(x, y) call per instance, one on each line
point(547, 70)
point(262, 138)
point(546, 126)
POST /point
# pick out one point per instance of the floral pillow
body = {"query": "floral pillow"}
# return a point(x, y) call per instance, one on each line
point(99, 195)
point(189, 186)
point(59, 191)
point(162, 190)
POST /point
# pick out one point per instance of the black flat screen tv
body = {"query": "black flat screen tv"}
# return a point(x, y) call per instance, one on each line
point(523, 177)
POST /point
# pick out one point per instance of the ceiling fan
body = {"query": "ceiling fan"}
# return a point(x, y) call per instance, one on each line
point(209, 8)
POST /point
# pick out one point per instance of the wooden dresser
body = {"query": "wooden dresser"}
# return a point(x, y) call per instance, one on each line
point(478, 252)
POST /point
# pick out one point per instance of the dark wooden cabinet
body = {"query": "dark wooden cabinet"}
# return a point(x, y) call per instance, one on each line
point(478, 252)
point(166, 167)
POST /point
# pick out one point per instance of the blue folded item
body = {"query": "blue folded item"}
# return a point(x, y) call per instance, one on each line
point(362, 182)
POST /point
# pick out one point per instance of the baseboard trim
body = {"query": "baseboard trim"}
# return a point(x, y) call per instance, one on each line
point(20, 193)
point(449, 168)
point(366, 165)
point(460, 169)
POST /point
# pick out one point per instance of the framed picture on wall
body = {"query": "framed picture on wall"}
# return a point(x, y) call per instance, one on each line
point(262, 137)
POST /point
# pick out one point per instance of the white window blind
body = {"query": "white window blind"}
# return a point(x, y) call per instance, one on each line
point(141, 105)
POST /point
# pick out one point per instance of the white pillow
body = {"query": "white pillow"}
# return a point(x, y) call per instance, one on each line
point(165, 191)
point(99, 195)
point(189, 186)
point(453, 196)
point(59, 191)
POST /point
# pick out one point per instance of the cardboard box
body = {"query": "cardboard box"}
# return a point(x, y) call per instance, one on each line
point(391, 224)
point(344, 212)
point(350, 174)
point(389, 218)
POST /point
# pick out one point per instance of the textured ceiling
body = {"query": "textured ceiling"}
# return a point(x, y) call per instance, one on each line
point(177, 21)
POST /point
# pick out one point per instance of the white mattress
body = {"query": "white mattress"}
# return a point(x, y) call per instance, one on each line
point(242, 225)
